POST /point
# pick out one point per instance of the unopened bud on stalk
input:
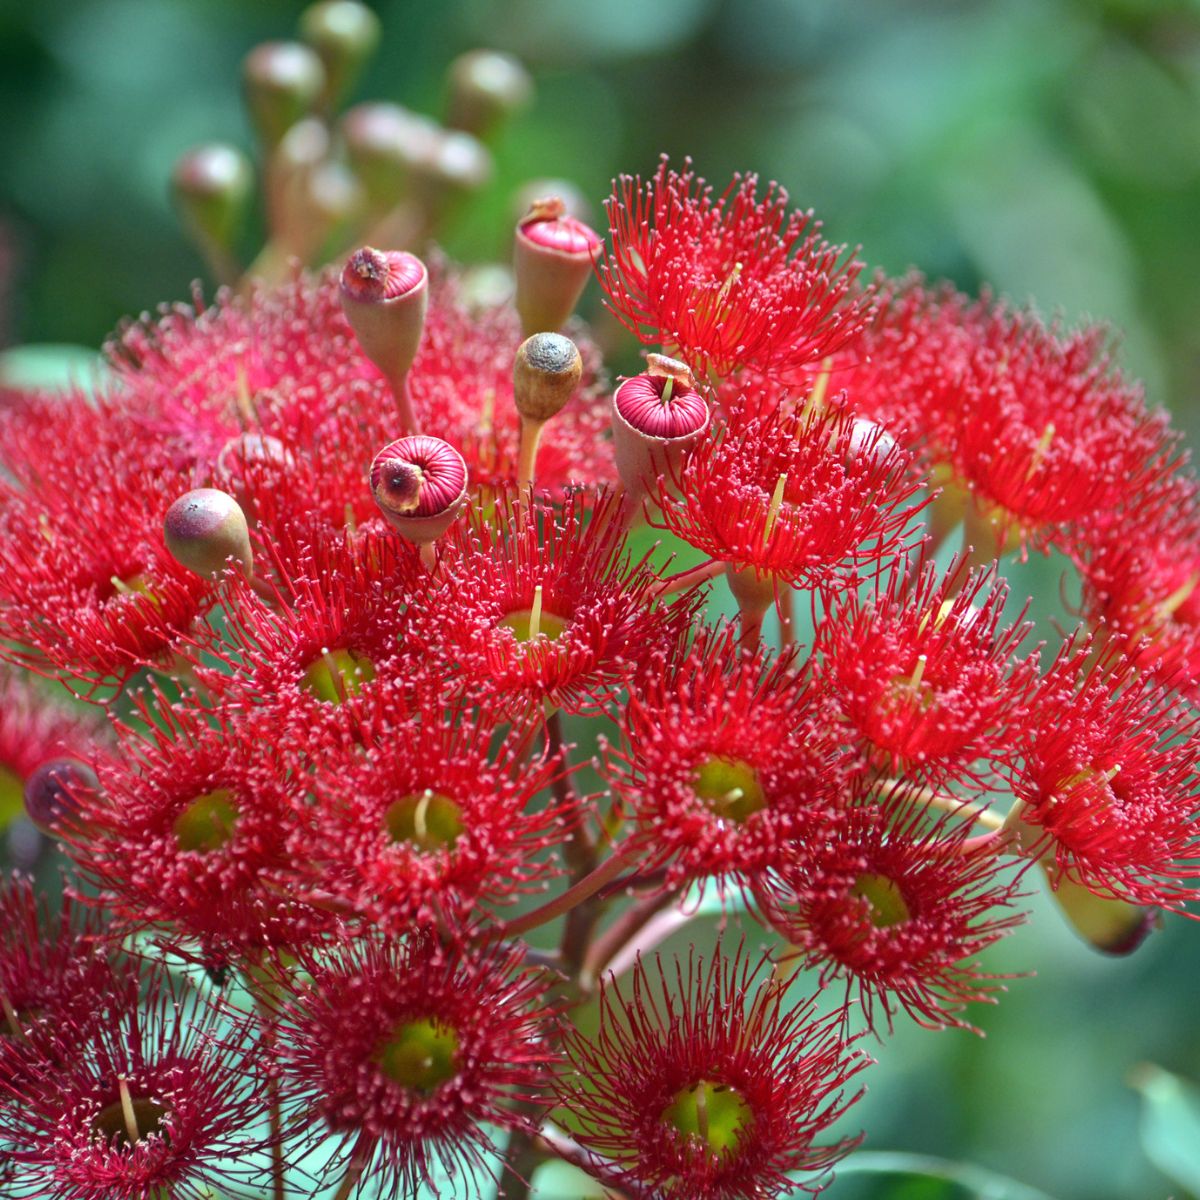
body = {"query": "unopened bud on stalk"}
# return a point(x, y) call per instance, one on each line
point(384, 295)
point(1109, 925)
point(211, 186)
point(420, 485)
point(552, 260)
point(56, 790)
point(282, 82)
point(486, 86)
point(384, 143)
point(546, 372)
point(455, 165)
point(656, 417)
point(204, 528)
point(345, 34)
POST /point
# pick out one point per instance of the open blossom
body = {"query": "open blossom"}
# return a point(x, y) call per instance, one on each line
point(923, 671)
point(703, 1084)
point(415, 816)
point(804, 497)
point(727, 282)
point(727, 760)
point(161, 1098)
point(896, 906)
point(404, 1050)
point(1108, 780)
point(539, 605)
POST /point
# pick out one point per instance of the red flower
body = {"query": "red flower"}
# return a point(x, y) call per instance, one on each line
point(1108, 780)
point(55, 974)
point(153, 1105)
point(187, 825)
point(797, 496)
point(543, 606)
point(333, 625)
point(703, 1085)
point(87, 586)
point(922, 670)
point(896, 906)
point(729, 760)
point(727, 283)
point(425, 815)
point(405, 1050)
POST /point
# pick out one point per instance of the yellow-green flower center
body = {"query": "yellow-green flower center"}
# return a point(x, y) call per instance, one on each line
point(428, 819)
point(729, 787)
point(712, 1113)
point(419, 1055)
point(886, 905)
point(522, 624)
point(208, 822)
point(337, 674)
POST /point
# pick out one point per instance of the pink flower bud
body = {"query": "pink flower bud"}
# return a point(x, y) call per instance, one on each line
point(345, 34)
point(552, 259)
point(204, 528)
point(384, 143)
point(656, 417)
point(384, 296)
point(211, 185)
point(420, 485)
point(57, 789)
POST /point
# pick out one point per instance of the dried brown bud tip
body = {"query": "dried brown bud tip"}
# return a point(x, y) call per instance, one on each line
point(546, 372)
point(662, 367)
point(485, 87)
point(420, 485)
point(282, 81)
point(204, 528)
point(211, 185)
point(57, 789)
point(345, 34)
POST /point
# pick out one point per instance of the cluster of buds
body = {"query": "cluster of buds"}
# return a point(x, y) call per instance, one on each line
point(417, 750)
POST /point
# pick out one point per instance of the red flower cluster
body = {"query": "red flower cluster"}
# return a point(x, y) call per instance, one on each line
point(415, 714)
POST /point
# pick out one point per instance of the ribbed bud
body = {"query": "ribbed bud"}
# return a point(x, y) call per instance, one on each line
point(656, 417)
point(384, 143)
point(204, 528)
point(485, 88)
point(546, 372)
point(345, 34)
point(420, 485)
point(282, 83)
point(56, 790)
point(384, 295)
point(211, 186)
point(553, 255)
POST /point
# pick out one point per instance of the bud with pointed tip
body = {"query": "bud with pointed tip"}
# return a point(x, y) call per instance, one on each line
point(211, 186)
point(384, 296)
point(56, 790)
point(345, 34)
point(486, 86)
point(206, 527)
point(384, 143)
point(420, 485)
point(656, 417)
point(553, 255)
point(282, 82)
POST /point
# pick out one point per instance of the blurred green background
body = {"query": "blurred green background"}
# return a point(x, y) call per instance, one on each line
point(1049, 147)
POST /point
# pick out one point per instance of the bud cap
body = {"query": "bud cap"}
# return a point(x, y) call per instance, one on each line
point(546, 372)
point(206, 527)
